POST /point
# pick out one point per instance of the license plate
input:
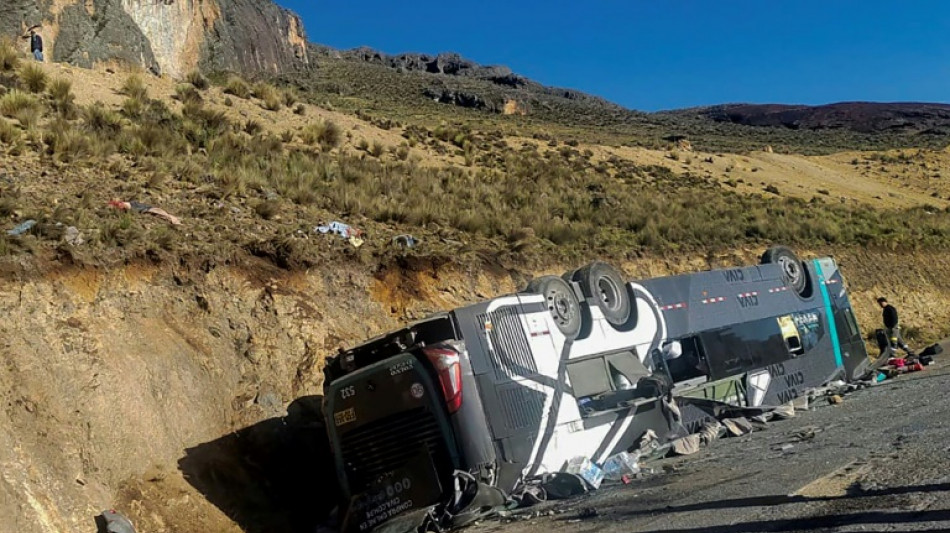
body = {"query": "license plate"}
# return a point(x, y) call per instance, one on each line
point(344, 417)
point(413, 486)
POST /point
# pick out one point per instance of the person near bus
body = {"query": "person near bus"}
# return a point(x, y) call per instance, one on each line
point(892, 326)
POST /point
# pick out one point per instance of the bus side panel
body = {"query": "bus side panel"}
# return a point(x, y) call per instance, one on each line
point(513, 403)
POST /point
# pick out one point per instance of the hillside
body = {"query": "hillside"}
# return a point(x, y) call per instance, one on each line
point(446, 86)
point(156, 368)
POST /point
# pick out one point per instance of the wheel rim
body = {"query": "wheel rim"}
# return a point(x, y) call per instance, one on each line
point(609, 293)
point(791, 269)
point(559, 306)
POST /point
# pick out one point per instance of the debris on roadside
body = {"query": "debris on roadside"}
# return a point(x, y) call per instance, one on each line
point(621, 465)
point(73, 236)
point(835, 399)
point(687, 445)
point(587, 470)
point(145, 208)
point(404, 241)
point(345, 231)
point(22, 228)
point(113, 522)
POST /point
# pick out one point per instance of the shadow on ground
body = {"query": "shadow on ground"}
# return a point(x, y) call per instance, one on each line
point(275, 476)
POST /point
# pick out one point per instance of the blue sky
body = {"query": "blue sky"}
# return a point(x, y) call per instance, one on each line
point(664, 54)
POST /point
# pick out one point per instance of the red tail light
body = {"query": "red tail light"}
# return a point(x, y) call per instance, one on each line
point(446, 360)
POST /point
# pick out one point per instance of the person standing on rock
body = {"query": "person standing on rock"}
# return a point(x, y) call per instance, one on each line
point(36, 45)
point(892, 326)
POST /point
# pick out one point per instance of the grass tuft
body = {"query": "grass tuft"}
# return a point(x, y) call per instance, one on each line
point(238, 87)
point(197, 80)
point(134, 87)
point(33, 78)
point(325, 133)
point(15, 103)
point(9, 58)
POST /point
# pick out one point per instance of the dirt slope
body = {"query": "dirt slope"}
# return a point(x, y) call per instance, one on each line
point(131, 388)
point(161, 390)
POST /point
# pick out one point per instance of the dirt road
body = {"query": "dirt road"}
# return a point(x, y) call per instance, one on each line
point(879, 461)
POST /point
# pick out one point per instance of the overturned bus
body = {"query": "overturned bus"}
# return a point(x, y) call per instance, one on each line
point(499, 391)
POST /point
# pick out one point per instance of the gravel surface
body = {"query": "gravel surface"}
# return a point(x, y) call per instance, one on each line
point(878, 461)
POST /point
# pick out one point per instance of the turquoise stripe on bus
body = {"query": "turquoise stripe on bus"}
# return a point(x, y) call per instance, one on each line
point(829, 312)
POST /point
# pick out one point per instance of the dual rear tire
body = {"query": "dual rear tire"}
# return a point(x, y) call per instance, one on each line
point(600, 283)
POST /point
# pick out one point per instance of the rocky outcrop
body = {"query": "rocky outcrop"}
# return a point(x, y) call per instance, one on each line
point(168, 36)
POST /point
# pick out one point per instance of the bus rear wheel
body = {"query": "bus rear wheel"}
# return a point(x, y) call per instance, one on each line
point(793, 270)
point(561, 302)
point(604, 284)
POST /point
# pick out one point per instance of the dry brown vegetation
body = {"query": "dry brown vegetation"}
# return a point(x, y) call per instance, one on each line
point(465, 188)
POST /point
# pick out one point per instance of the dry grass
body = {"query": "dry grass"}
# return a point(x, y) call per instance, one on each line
point(9, 134)
point(16, 104)
point(325, 133)
point(134, 87)
point(33, 78)
point(9, 58)
point(238, 87)
point(271, 98)
point(197, 80)
point(98, 119)
point(62, 98)
point(188, 94)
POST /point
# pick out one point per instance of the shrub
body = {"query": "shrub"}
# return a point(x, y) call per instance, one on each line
point(289, 97)
point(33, 78)
point(377, 149)
point(253, 127)
point(134, 108)
point(237, 87)
point(9, 59)
point(269, 95)
point(66, 143)
point(267, 209)
point(300, 110)
point(287, 136)
point(325, 133)
point(15, 102)
point(187, 94)
point(134, 87)
point(196, 79)
point(101, 120)
point(9, 133)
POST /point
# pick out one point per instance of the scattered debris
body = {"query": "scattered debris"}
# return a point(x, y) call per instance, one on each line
point(113, 522)
point(586, 513)
point(353, 235)
point(738, 426)
point(404, 241)
point(564, 485)
point(144, 208)
point(586, 469)
point(22, 228)
point(712, 431)
point(687, 445)
point(621, 465)
point(73, 237)
point(835, 399)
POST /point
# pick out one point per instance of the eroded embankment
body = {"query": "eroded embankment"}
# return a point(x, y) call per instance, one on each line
point(160, 391)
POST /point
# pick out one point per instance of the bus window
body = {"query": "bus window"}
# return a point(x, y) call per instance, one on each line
point(691, 362)
point(599, 383)
point(851, 322)
point(589, 377)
